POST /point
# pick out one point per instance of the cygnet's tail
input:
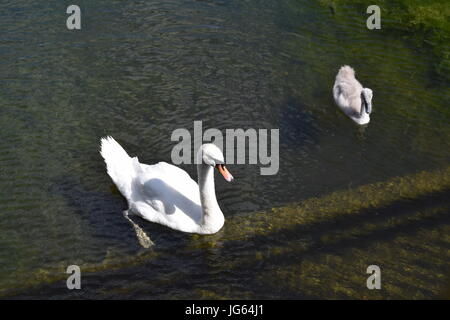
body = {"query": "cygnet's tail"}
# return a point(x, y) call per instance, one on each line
point(346, 72)
point(120, 166)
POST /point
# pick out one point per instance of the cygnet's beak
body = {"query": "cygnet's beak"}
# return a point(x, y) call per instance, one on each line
point(224, 171)
point(369, 107)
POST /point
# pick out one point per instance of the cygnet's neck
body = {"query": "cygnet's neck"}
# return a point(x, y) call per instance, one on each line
point(212, 218)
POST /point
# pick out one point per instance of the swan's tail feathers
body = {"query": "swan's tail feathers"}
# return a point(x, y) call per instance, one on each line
point(119, 165)
point(346, 72)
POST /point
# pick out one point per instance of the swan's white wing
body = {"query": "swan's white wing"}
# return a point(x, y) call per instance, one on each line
point(166, 194)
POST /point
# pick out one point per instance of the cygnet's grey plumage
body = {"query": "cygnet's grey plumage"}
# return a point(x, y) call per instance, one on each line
point(353, 99)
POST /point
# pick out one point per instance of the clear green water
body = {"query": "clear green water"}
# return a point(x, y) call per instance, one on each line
point(139, 70)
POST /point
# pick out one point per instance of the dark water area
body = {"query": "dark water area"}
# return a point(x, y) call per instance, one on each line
point(138, 70)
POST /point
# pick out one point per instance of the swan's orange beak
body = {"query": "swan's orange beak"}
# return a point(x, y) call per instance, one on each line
point(226, 174)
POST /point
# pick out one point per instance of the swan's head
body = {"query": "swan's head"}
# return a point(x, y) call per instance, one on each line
point(211, 155)
point(366, 97)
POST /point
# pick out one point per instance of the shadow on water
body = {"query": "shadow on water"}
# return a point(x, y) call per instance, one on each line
point(101, 212)
point(168, 281)
point(358, 239)
point(367, 227)
point(212, 265)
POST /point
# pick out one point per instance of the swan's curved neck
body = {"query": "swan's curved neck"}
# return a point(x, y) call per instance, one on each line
point(212, 218)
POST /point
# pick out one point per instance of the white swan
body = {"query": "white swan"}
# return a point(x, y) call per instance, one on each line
point(351, 97)
point(165, 194)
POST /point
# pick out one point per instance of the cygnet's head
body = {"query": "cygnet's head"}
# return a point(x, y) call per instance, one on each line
point(211, 155)
point(367, 96)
